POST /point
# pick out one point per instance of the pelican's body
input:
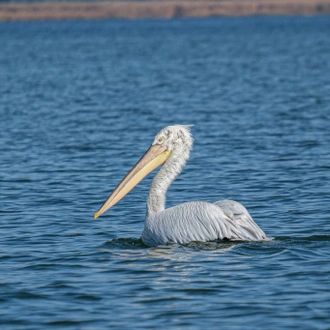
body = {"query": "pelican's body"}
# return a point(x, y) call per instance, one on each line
point(192, 221)
point(201, 221)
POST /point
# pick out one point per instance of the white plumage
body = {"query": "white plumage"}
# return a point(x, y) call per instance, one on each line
point(192, 221)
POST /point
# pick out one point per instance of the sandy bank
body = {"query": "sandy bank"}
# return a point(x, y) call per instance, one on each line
point(164, 9)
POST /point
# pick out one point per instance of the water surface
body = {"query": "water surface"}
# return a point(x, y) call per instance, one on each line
point(81, 101)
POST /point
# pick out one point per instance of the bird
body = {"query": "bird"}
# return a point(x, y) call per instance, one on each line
point(188, 222)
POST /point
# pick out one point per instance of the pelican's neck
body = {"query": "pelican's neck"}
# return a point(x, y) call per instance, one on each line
point(162, 180)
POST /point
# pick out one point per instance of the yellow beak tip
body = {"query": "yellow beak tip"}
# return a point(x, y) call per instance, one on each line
point(96, 215)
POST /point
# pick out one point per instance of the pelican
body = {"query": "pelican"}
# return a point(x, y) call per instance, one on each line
point(187, 222)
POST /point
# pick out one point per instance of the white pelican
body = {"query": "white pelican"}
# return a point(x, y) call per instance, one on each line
point(191, 221)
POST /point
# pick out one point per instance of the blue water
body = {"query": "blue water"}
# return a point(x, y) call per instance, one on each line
point(80, 101)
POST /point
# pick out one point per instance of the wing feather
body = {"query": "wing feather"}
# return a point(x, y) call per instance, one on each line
point(242, 218)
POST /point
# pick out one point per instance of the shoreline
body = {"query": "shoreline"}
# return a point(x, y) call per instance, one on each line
point(157, 9)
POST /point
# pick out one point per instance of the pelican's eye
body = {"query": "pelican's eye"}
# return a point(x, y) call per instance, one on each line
point(160, 140)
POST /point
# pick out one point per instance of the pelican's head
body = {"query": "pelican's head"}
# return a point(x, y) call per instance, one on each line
point(176, 138)
point(172, 141)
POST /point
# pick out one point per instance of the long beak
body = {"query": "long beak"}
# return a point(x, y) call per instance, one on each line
point(155, 156)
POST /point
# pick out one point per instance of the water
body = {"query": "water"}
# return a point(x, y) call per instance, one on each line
point(81, 101)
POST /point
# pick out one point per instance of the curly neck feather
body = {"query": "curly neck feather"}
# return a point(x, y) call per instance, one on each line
point(163, 179)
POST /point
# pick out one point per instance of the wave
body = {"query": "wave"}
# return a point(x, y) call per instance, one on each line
point(134, 243)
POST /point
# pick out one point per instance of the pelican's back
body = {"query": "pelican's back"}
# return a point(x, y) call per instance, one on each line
point(243, 220)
